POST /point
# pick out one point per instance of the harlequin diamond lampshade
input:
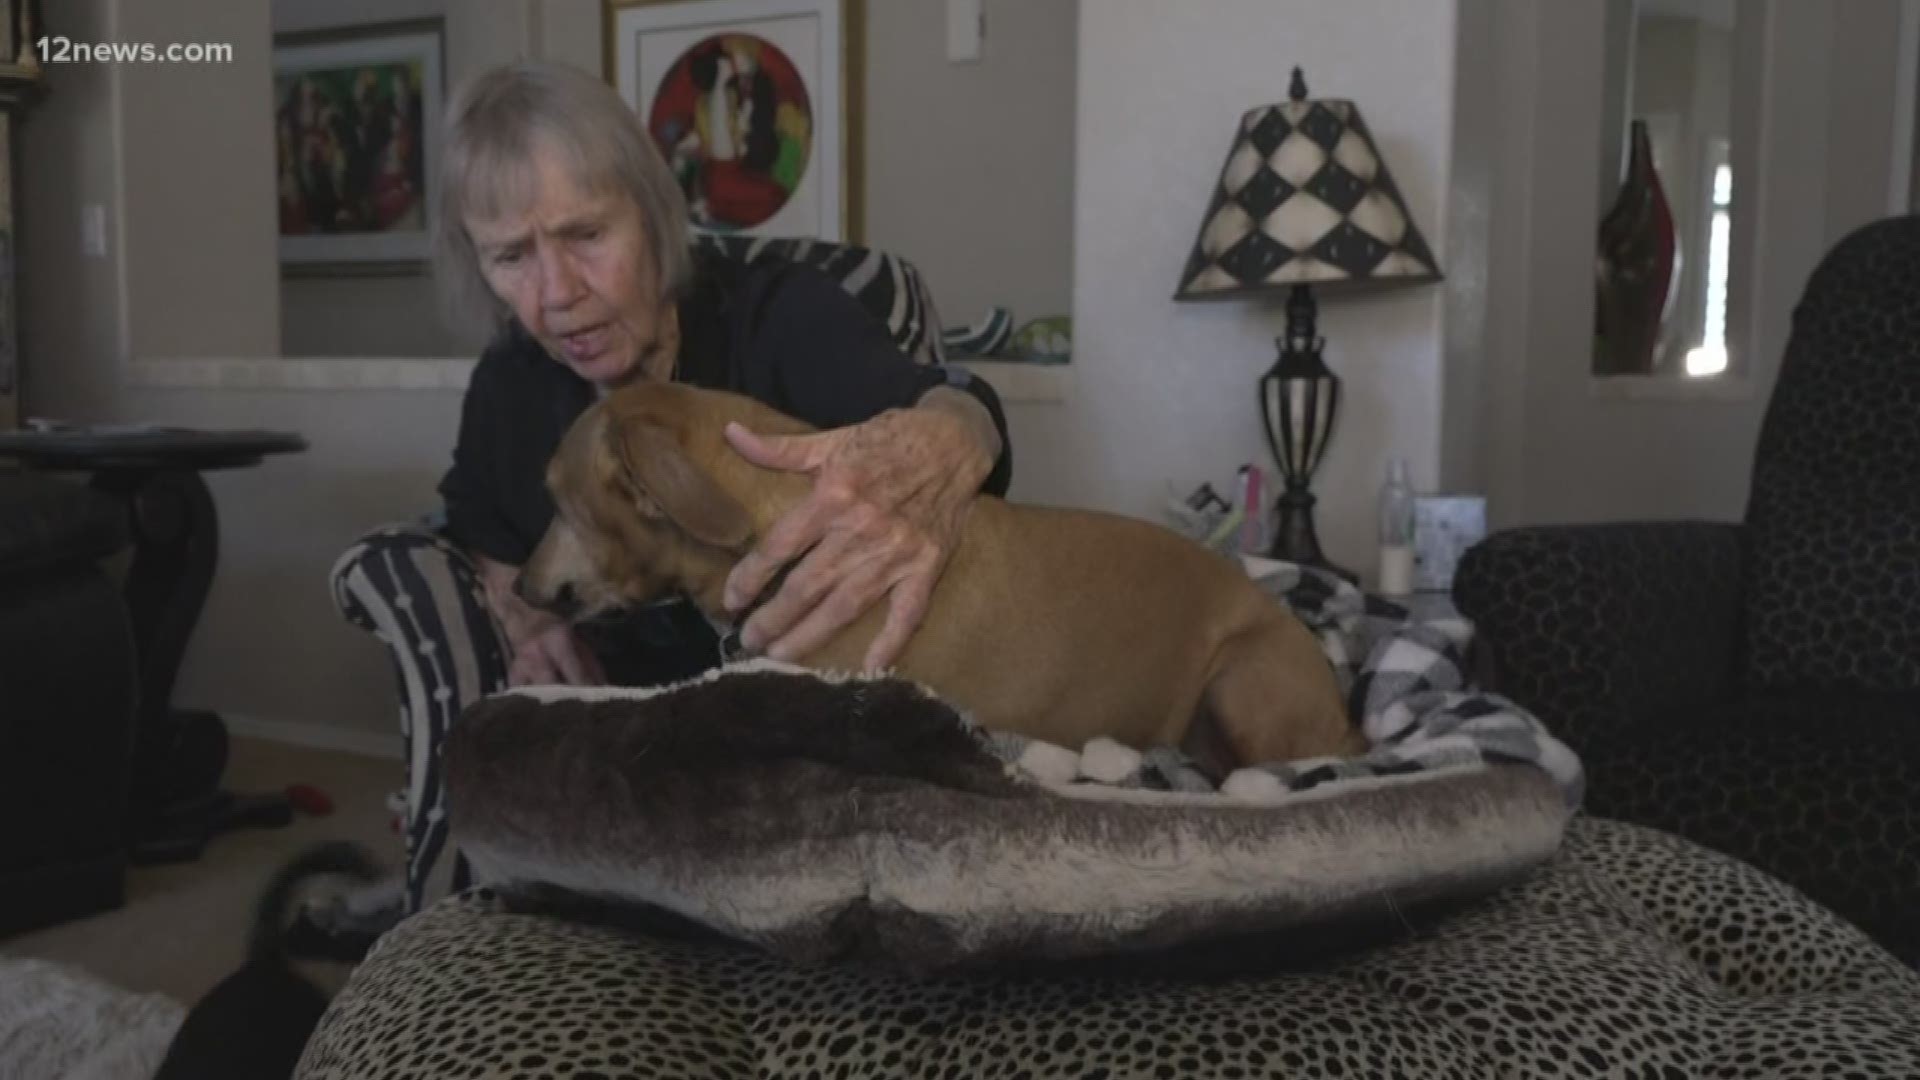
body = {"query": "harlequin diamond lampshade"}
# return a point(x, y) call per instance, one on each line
point(1304, 199)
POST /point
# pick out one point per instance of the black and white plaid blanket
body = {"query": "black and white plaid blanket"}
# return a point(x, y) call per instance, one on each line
point(1404, 676)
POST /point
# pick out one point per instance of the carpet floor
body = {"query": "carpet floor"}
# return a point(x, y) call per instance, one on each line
point(183, 926)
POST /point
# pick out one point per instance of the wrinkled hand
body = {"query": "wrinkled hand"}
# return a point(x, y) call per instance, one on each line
point(554, 655)
point(545, 648)
point(889, 497)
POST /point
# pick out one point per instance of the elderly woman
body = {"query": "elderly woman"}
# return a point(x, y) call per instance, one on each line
point(562, 222)
point(558, 213)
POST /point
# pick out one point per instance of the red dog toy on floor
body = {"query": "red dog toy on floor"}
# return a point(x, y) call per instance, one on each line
point(309, 800)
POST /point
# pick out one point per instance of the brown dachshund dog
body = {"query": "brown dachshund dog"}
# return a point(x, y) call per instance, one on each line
point(1060, 625)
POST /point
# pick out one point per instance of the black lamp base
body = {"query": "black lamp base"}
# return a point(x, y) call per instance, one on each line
point(1299, 399)
point(1296, 541)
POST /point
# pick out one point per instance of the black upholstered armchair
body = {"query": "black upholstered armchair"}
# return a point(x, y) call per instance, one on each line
point(69, 679)
point(1755, 687)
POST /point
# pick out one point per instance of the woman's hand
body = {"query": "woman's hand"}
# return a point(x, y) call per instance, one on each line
point(545, 648)
point(554, 655)
point(889, 498)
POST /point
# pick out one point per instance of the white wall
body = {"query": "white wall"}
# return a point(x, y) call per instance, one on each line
point(1164, 391)
point(970, 166)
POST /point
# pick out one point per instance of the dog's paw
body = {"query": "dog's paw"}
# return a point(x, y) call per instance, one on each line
point(1049, 764)
point(1253, 785)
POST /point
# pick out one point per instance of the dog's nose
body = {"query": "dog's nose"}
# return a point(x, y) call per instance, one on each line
point(564, 602)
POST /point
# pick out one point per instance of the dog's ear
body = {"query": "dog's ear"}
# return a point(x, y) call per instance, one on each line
point(668, 485)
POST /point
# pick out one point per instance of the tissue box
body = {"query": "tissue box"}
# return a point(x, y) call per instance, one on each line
point(1444, 527)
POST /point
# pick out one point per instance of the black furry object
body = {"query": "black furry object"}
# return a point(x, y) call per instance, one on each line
point(255, 1023)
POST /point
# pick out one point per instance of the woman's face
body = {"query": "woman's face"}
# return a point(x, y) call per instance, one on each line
point(575, 268)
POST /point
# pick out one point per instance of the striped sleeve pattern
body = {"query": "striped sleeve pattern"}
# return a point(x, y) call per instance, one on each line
point(420, 596)
point(887, 285)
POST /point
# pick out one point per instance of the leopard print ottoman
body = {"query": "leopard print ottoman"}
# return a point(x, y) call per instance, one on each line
point(1631, 953)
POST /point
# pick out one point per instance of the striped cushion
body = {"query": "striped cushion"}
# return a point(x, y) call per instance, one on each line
point(887, 285)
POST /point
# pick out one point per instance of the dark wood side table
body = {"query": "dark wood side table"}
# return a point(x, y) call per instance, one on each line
point(179, 755)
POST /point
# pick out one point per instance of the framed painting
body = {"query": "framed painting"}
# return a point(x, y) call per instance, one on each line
point(754, 103)
point(356, 140)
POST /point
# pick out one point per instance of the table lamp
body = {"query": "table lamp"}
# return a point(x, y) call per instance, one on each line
point(1304, 200)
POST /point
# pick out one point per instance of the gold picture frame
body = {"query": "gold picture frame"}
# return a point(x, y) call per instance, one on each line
point(621, 20)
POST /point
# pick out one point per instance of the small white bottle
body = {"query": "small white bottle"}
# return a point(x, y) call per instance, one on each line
point(1396, 532)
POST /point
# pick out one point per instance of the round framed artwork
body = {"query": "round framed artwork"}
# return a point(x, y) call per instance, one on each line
point(753, 105)
point(735, 122)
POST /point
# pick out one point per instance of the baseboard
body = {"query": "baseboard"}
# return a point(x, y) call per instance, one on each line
point(375, 744)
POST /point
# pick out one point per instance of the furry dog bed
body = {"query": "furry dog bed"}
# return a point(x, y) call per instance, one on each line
point(825, 819)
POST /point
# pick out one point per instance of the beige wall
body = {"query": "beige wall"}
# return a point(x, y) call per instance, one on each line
point(969, 167)
point(1466, 398)
point(197, 197)
point(1861, 107)
point(1619, 27)
point(270, 646)
point(377, 315)
point(72, 328)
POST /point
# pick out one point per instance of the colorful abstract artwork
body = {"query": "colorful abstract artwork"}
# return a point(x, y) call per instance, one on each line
point(748, 100)
point(354, 123)
point(735, 121)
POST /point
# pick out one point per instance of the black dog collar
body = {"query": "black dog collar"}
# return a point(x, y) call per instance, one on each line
point(730, 647)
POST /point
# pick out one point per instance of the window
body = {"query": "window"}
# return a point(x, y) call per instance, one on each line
point(1709, 355)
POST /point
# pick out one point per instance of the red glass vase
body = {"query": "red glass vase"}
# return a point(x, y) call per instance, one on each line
point(1634, 268)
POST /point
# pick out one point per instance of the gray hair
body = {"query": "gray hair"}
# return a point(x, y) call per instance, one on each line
point(487, 169)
